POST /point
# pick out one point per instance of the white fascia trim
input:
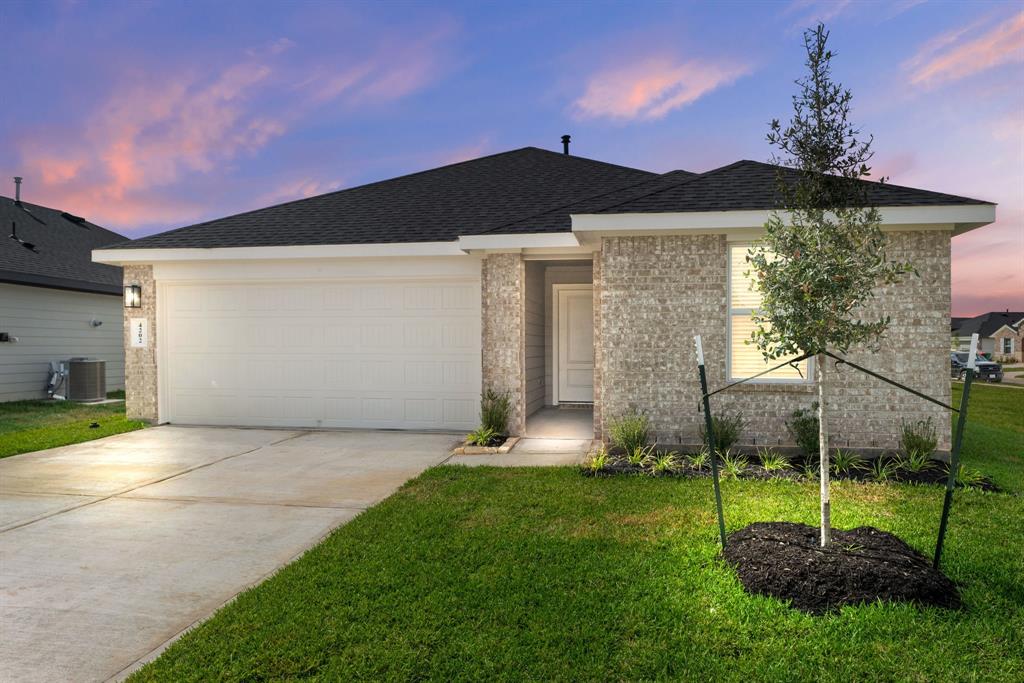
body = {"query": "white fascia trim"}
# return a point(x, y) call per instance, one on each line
point(519, 242)
point(128, 256)
point(962, 217)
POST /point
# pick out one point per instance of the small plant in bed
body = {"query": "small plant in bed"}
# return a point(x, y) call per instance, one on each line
point(772, 460)
point(664, 463)
point(846, 462)
point(639, 456)
point(630, 431)
point(883, 469)
point(495, 408)
point(484, 436)
point(734, 464)
point(700, 460)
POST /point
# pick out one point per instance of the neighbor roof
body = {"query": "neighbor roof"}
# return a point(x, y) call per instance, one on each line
point(467, 198)
point(527, 190)
point(62, 255)
point(986, 324)
point(752, 185)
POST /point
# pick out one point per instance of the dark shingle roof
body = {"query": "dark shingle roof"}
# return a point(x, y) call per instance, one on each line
point(559, 220)
point(986, 324)
point(63, 243)
point(523, 191)
point(752, 185)
point(467, 198)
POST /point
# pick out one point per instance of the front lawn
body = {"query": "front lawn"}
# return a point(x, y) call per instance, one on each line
point(34, 425)
point(531, 574)
point(994, 438)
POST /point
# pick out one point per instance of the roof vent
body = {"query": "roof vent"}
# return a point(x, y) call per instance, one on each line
point(14, 236)
point(72, 217)
point(17, 189)
point(565, 143)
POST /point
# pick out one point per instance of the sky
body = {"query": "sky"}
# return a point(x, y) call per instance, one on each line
point(144, 116)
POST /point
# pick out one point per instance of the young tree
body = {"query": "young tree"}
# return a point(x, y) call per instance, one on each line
point(824, 253)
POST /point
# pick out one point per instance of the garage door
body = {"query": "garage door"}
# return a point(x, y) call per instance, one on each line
point(354, 353)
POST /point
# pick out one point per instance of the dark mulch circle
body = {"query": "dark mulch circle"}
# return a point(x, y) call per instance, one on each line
point(785, 560)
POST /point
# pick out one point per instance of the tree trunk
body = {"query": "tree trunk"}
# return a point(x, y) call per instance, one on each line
point(826, 515)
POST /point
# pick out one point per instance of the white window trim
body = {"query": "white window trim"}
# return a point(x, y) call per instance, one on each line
point(1011, 340)
point(730, 312)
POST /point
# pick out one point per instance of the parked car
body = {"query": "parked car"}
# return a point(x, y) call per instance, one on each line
point(983, 369)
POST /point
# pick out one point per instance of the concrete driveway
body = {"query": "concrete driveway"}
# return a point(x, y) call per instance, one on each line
point(109, 549)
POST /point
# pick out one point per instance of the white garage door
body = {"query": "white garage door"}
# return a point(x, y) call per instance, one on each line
point(354, 353)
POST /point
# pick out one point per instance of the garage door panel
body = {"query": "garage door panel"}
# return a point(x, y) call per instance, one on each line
point(335, 354)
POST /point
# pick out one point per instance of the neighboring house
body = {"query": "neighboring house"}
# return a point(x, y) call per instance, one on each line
point(558, 279)
point(998, 334)
point(55, 302)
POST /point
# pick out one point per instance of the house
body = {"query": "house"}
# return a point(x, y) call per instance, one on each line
point(561, 280)
point(55, 302)
point(999, 334)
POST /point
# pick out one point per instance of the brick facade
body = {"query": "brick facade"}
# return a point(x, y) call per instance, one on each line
point(503, 301)
point(656, 293)
point(140, 378)
point(1018, 345)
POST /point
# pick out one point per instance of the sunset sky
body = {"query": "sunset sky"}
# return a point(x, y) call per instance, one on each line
point(143, 116)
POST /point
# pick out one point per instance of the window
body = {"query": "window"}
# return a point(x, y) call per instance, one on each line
point(745, 360)
point(1007, 345)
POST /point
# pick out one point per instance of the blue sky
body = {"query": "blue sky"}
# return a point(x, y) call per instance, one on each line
point(144, 116)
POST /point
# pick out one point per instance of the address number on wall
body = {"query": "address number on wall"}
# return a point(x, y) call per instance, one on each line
point(139, 333)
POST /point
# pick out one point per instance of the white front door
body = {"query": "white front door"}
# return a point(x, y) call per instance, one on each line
point(575, 344)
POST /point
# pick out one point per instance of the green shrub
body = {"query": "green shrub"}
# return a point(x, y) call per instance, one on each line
point(772, 460)
point(484, 436)
point(629, 431)
point(598, 460)
point(733, 464)
point(700, 459)
point(882, 469)
point(640, 455)
point(803, 426)
point(727, 428)
point(495, 408)
point(918, 438)
point(916, 461)
point(967, 477)
point(846, 461)
point(665, 462)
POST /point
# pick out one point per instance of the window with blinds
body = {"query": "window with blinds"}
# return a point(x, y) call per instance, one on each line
point(745, 360)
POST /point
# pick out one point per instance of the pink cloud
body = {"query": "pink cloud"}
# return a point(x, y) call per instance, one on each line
point(948, 58)
point(466, 152)
point(651, 88)
point(297, 189)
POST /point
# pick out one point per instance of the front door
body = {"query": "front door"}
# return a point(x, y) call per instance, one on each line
point(575, 344)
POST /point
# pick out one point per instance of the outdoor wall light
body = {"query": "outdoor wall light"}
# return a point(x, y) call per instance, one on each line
point(132, 296)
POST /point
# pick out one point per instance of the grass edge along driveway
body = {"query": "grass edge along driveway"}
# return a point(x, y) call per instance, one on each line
point(27, 426)
point(469, 574)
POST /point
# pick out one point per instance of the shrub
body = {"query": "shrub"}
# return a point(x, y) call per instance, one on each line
point(772, 460)
point(882, 469)
point(918, 438)
point(700, 459)
point(640, 455)
point(846, 461)
point(629, 431)
point(803, 426)
point(484, 436)
point(727, 431)
point(967, 477)
point(598, 460)
point(733, 464)
point(664, 462)
point(916, 461)
point(495, 408)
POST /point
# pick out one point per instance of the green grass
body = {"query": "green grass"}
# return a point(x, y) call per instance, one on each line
point(27, 426)
point(994, 438)
point(531, 574)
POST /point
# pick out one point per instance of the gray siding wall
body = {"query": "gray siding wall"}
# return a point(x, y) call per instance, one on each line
point(54, 325)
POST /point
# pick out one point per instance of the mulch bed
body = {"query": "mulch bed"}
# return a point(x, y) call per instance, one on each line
point(935, 475)
point(785, 560)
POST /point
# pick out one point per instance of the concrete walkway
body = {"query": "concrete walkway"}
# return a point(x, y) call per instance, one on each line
point(111, 548)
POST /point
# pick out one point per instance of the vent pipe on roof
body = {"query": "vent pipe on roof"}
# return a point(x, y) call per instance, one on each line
point(565, 143)
point(17, 188)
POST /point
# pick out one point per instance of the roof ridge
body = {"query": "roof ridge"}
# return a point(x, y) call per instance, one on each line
point(498, 228)
point(685, 181)
point(400, 177)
